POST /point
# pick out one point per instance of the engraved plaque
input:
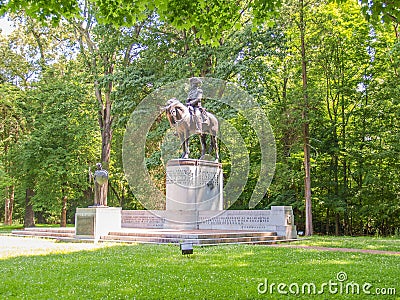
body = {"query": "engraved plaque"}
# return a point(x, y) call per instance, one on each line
point(85, 225)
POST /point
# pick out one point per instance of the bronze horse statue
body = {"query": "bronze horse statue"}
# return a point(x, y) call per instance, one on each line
point(182, 120)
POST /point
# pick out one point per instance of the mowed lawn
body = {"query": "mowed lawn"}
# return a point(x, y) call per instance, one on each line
point(356, 242)
point(221, 272)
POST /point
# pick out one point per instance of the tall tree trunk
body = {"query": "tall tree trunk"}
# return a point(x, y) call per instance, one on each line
point(63, 222)
point(9, 205)
point(29, 218)
point(337, 225)
point(103, 93)
point(105, 123)
point(104, 101)
point(327, 224)
point(307, 179)
point(306, 125)
point(344, 168)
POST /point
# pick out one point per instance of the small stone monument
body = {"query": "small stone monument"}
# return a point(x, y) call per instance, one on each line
point(99, 219)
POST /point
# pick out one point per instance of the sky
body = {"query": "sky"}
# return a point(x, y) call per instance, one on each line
point(5, 25)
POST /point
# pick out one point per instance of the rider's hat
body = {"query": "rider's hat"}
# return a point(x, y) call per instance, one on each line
point(195, 80)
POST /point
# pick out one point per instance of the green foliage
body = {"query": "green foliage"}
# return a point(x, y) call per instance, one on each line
point(5, 179)
point(54, 158)
point(42, 10)
point(211, 19)
point(378, 10)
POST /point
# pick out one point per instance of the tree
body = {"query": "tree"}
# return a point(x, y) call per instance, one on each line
point(210, 18)
point(11, 128)
point(14, 70)
point(59, 149)
point(104, 49)
point(327, 78)
point(306, 124)
point(340, 59)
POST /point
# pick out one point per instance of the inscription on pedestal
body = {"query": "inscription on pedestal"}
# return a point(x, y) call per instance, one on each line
point(209, 178)
point(85, 225)
point(194, 185)
point(142, 221)
point(236, 220)
point(180, 176)
point(278, 219)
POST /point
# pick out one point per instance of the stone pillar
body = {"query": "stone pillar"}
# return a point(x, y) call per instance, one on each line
point(284, 219)
point(94, 222)
point(192, 186)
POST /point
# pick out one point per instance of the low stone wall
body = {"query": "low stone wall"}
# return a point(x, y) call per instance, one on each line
point(279, 219)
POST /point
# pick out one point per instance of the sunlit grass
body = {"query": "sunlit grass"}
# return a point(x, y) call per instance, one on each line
point(8, 228)
point(360, 242)
point(162, 272)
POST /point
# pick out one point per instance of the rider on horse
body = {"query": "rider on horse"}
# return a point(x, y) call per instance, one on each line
point(193, 102)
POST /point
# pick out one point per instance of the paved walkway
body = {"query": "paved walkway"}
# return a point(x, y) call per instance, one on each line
point(11, 246)
point(338, 249)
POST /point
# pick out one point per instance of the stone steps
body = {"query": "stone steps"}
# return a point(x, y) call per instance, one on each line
point(56, 233)
point(201, 237)
point(161, 236)
point(155, 240)
point(192, 234)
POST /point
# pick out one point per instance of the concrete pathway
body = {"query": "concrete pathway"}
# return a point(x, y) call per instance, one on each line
point(11, 246)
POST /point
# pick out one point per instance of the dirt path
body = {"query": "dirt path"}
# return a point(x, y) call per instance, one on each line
point(338, 249)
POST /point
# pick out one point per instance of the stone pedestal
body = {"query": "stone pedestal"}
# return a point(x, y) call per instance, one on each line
point(194, 185)
point(94, 222)
point(191, 186)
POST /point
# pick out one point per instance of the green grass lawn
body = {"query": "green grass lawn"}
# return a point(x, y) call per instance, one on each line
point(359, 242)
point(8, 228)
point(222, 272)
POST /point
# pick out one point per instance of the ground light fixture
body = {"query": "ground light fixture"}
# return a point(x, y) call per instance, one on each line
point(186, 248)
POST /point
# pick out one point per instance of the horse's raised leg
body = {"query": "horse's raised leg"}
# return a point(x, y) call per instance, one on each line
point(203, 144)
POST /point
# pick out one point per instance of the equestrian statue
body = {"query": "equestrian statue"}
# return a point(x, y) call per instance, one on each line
point(192, 118)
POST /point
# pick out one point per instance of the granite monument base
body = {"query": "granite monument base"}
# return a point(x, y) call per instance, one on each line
point(192, 186)
point(278, 219)
point(94, 222)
